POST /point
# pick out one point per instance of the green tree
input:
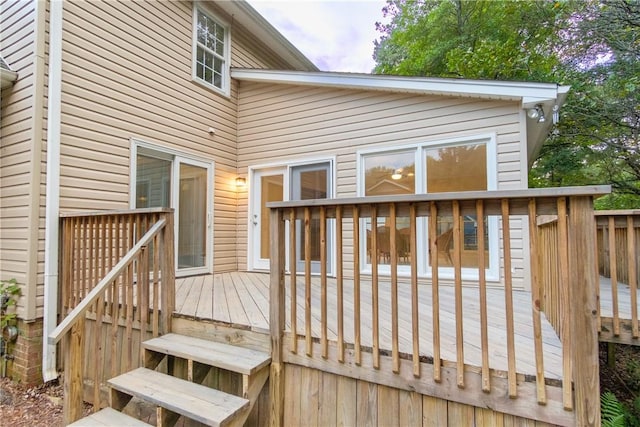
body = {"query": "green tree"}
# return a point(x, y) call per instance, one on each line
point(603, 112)
point(589, 44)
point(480, 39)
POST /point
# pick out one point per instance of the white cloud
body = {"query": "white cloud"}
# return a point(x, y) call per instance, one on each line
point(335, 35)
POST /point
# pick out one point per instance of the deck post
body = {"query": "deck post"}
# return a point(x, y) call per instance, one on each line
point(168, 284)
point(276, 316)
point(73, 353)
point(583, 311)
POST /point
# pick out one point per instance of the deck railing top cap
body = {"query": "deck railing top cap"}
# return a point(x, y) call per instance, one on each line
point(116, 212)
point(591, 190)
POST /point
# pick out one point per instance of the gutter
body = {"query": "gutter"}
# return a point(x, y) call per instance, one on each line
point(52, 207)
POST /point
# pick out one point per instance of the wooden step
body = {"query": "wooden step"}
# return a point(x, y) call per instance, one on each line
point(108, 417)
point(203, 404)
point(232, 358)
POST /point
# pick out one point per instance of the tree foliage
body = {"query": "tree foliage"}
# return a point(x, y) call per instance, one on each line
point(592, 45)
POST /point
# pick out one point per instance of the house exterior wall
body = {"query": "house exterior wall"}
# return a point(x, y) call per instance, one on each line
point(127, 74)
point(22, 108)
point(17, 40)
point(291, 123)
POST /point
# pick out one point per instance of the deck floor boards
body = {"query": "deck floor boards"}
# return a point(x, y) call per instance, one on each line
point(242, 298)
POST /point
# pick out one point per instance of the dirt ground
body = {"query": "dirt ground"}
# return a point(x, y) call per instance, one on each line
point(30, 406)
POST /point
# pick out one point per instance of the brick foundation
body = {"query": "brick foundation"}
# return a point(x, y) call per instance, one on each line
point(26, 365)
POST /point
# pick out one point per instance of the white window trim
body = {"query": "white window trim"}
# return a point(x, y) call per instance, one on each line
point(424, 270)
point(286, 167)
point(226, 74)
point(168, 153)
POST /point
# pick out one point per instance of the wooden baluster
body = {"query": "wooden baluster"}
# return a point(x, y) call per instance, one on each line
point(129, 296)
point(435, 298)
point(106, 260)
point(323, 283)
point(374, 287)
point(115, 308)
point(96, 354)
point(633, 278)
point(613, 264)
point(83, 266)
point(482, 281)
point(508, 296)
point(565, 333)
point(156, 287)
point(307, 281)
point(457, 267)
point(536, 301)
point(356, 285)
point(137, 289)
point(67, 263)
point(293, 264)
point(393, 253)
point(415, 317)
point(91, 246)
point(340, 284)
point(143, 289)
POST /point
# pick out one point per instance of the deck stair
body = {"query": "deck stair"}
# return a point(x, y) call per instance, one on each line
point(174, 368)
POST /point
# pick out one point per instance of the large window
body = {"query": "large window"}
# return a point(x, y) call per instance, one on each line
point(450, 166)
point(211, 51)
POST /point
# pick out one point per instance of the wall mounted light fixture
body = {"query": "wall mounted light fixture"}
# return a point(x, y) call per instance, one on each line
point(536, 113)
point(241, 182)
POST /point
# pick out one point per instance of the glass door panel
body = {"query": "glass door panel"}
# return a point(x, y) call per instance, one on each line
point(310, 182)
point(268, 186)
point(192, 216)
point(272, 190)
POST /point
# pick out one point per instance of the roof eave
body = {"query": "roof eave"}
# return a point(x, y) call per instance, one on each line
point(526, 92)
point(249, 18)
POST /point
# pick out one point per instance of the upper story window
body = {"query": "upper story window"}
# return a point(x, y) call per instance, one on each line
point(211, 51)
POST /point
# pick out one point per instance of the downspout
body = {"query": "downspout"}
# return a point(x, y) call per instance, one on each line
point(51, 245)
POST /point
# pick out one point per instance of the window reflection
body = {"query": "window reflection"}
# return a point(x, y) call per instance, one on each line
point(451, 169)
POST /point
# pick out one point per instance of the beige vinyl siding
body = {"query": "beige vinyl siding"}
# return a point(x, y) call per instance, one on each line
point(16, 111)
point(280, 123)
point(127, 74)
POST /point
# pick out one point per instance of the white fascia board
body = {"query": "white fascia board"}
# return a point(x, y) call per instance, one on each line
point(527, 92)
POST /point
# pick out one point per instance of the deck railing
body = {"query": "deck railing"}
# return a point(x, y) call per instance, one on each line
point(117, 277)
point(423, 371)
point(618, 239)
point(618, 242)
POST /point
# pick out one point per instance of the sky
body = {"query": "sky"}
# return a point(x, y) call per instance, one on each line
point(336, 35)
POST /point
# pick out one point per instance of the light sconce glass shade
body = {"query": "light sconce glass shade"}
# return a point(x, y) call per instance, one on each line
point(241, 182)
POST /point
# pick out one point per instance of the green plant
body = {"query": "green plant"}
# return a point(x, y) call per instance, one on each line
point(9, 293)
point(612, 411)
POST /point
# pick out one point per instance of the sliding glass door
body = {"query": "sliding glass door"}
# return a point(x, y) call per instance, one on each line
point(171, 181)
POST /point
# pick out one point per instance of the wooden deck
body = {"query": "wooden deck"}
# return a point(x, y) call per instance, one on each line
point(242, 299)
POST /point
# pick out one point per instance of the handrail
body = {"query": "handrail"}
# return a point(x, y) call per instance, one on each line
point(68, 322)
